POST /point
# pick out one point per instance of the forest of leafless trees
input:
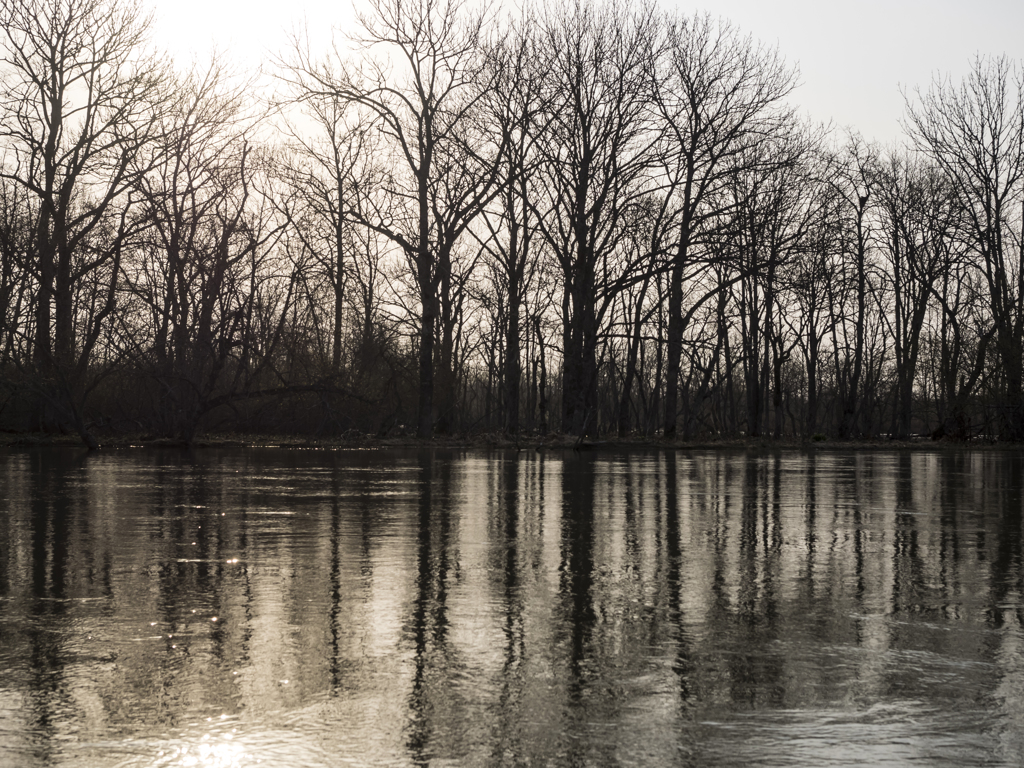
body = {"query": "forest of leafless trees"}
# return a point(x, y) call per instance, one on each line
point(599, 218)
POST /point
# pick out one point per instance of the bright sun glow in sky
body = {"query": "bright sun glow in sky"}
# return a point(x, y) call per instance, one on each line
point(853, 55)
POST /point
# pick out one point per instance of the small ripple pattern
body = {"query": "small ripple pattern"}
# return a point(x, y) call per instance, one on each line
point(314, 609)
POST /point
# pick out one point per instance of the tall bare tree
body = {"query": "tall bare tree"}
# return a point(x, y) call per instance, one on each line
point(921, 223)
point(201, 266)
point(328, 164)
point(717, 92)
point(423, 91)
point(773, 217)
point(849, 171)
point(517, 98)
point(78, 93)
point(597, 152)
point(16, 286)
point(975, 132)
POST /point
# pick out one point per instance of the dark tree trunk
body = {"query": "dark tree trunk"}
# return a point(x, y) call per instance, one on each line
point(674, 351)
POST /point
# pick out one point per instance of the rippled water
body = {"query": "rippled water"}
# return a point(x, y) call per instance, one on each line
point(408, 608)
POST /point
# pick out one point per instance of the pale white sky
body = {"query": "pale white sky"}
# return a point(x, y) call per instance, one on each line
point(853, 56)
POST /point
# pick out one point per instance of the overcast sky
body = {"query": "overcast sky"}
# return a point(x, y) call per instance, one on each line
point(853, 56)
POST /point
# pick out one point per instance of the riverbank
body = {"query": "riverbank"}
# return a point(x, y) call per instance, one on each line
point(496, 440)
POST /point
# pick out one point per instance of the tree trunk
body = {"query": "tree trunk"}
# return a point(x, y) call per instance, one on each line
point(513, 370)
point(673, 364)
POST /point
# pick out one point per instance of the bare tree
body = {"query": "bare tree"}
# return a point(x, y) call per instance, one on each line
point(813, 290)
point(331, 164)
point(78, 95)
point(849, 171)
point(772, 218)
point(201, 268)
point(921, 223)
point(518, 98)
point(16, 286)
point(424, 94)
point(716, 92)
point(325, 169)
point(597, 153)
point(975, 133)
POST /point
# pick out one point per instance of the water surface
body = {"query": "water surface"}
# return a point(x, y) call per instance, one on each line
point(245, 607)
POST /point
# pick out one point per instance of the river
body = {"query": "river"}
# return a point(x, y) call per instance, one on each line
point(308, 608)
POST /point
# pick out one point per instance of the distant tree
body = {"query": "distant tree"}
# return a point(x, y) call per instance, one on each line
point(200, 270)
point(772, 212)
point(651, 225)
point(424, 94)
point(16, 285)
point(79, 100)
point(957, 344)
point(597, 155)
point(920, 222)
point(975, 133)
point(324, 170)
point(517, 98)
point(850, 171)
point(813, 290)
point(716, 91)
point(332, 165)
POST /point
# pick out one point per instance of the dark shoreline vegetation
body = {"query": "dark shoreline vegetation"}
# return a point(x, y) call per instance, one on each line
point(504, 442)
point(598, 224)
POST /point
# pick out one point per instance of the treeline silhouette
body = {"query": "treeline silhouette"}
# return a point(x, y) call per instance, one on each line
point(595, 218)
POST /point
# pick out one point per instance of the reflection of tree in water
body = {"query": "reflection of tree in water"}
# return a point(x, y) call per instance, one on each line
point(906, 554)
point(807, 582)
point(52, 518)
point(336, 595)
point(341, 619)
point(675, 591)
point(756, 667)
point(861, 486)
point(619, 633)
point(576, 580)
point(1003, 477)
point(683, 665)
point(743, 539)
point(506, 532)
point(190, 580)
point(432, 660)
point(54, 501)
point(1004, 480)
point(577, 559)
